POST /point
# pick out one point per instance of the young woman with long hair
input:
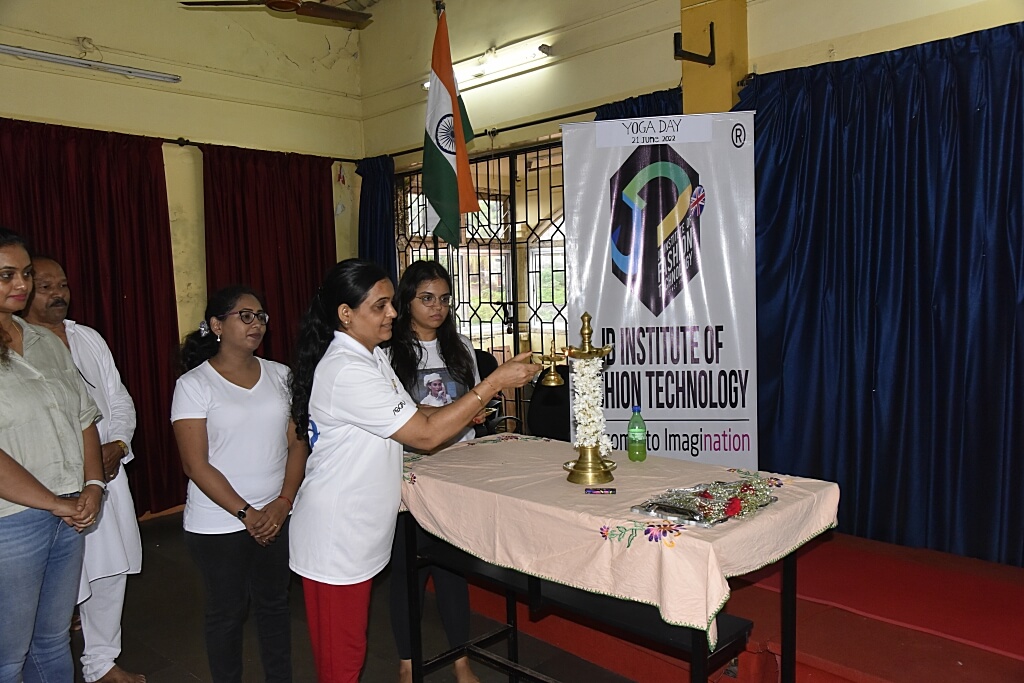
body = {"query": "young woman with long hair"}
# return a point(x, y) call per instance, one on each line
point(356, 415)
point(244, 462)
point(427, 350)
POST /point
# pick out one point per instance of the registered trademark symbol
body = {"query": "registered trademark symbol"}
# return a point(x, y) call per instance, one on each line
point(739, 135)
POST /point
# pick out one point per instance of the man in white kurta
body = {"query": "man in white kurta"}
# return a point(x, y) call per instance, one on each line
point(113, 547)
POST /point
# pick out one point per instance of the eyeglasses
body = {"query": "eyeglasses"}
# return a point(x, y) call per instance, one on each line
point(429, 299)
point(248, 316)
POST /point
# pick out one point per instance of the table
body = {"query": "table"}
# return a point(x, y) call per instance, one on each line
point(505, 501)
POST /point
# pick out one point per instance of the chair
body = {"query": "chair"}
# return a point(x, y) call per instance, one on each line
point(486, 363)
point(548, 412)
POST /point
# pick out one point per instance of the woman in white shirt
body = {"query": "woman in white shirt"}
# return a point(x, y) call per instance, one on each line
point(244, 462)
point(426, 349)
point(357, 415)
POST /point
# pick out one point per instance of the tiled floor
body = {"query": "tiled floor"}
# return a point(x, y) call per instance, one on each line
point(163, 627)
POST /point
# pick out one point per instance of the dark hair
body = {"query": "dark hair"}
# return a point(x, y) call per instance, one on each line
point(406, 351)
point(348, 282)
point(198, 347)
point(9, 238)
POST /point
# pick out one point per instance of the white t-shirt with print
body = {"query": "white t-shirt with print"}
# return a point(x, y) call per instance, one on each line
point(345, 511)
point(432, 363)
point(248, 436)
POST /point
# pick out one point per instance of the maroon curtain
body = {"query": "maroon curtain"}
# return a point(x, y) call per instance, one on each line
point(269, 225)
point(97, 202)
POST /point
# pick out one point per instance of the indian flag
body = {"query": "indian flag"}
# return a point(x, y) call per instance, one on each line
point(446, 181)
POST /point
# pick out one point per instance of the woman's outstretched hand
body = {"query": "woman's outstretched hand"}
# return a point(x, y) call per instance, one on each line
point(515, 372)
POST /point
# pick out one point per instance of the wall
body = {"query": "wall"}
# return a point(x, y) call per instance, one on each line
point(602, 51)
point(784, 34)
point(249, 78)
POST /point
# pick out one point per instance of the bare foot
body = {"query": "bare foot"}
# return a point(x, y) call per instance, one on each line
point(405, 671)
point(463, 672)
point(119, 675)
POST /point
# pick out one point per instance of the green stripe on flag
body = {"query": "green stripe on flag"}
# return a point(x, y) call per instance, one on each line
point(467, 127)
point(441, 188)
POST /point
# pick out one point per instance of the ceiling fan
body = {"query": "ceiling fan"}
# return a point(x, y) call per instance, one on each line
point(309, 8)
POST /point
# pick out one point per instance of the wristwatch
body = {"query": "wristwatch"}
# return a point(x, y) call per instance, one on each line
point(241, 513)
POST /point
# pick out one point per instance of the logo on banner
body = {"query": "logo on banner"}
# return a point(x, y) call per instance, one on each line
point(656, 202)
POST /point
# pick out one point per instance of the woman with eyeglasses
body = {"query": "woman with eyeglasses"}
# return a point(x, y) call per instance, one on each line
point(357, 416)
point(244, 462)
point(432, 360)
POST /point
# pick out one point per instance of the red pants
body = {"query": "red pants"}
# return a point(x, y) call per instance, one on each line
point(337, 617)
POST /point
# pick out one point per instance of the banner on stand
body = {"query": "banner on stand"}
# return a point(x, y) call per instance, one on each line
point(660, 251)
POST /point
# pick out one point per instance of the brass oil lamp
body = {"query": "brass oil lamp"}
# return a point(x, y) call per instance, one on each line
point(589, 468)
point(551, 377)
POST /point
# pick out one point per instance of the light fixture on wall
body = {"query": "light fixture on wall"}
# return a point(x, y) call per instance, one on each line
point(498, 62)
point(26, 53)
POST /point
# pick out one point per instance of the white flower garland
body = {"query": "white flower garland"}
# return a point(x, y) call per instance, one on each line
point(587, 408)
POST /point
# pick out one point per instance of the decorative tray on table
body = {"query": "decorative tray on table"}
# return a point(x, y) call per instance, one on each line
point(708, 504)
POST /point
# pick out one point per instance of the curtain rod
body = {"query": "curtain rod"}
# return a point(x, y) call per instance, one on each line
point(492, 132)
point(184, 142)
point(496, 131)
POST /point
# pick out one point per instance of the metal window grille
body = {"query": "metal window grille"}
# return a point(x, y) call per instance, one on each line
point(509, 272)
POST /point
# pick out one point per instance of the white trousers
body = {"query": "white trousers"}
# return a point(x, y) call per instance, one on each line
point(101, 625)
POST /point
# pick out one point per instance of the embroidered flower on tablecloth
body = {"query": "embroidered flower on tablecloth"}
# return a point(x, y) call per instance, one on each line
point(664, 532)
point(410, 477)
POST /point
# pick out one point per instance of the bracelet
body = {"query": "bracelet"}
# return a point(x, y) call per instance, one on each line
point(287, 500)
point(473, 389)
point(95, 482)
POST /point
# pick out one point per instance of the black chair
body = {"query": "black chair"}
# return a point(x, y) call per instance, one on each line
point(548, 412)
point(486, 363)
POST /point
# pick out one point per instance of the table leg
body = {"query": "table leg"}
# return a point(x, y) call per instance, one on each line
point(512, 619)
point(788, 609)
point(415, 609)
point(698, 656)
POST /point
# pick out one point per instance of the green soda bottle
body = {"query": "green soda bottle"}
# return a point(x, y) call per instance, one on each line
point(636, 437)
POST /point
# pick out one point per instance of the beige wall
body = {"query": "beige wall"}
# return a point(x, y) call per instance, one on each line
point(602, 51)
point(248, 79)
point(785, 34)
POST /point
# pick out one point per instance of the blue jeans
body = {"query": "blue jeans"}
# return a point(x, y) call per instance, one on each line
point(40, 566)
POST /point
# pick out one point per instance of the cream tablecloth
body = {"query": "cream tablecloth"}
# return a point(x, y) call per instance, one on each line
point(505, 500)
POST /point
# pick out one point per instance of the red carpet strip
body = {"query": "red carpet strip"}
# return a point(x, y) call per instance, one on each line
point(969, 601)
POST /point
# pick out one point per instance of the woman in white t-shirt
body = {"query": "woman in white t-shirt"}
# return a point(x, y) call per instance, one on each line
point(426, 348)
point(244, 462)
point(357, 415)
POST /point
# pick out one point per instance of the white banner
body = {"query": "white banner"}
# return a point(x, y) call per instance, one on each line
point(660, 251)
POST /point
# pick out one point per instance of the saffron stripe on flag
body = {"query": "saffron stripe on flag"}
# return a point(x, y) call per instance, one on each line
point(446, 175)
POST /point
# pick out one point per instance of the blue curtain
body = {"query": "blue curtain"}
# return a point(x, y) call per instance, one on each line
point(659, 103)
point(377, 213)
point(890, 277)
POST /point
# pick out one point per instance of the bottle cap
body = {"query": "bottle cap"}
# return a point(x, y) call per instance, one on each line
point(636, 409)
